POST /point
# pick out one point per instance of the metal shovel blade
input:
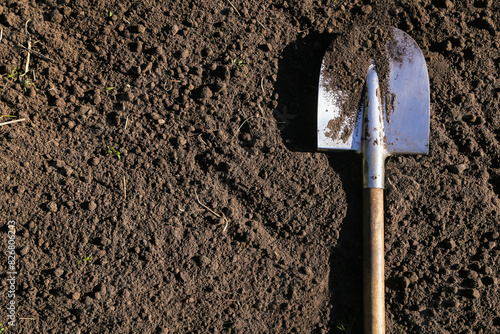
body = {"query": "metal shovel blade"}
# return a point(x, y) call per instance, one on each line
point(405, 106)
point(391, 117)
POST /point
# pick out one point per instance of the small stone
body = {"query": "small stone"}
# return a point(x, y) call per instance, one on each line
point(184, 54)
point(413, 277)
point(405, 282)
point(135, 47)
point(471, 293)
point(174, 29)
point(181, 141)
point(95, 161)
point(492, 235)
point(367, 9)
point(59, 163)
point(67, 171)
point(490, 245)
point(96, 99)
point(60, 102)
point(92, 206)
point(202, 261)
point(52, 206)
point(458, 169)
point(56, 17)
point(449, 244)
point(58, 272)
point(486, 23)
point(206, 93)
point(138, 29)
point(24, 250)
point(20, 189)
point(75, 295)
point(183, 276)
point(285, 306)
point(31, 92)
point(448, 4)
point(103, 241)
point(306, 271)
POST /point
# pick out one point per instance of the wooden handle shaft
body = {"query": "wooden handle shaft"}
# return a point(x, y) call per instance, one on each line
point(373, 261)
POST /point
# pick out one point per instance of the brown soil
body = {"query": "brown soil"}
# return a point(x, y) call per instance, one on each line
point(218, 215)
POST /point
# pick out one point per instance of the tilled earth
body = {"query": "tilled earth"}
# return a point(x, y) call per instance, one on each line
point(165, 177)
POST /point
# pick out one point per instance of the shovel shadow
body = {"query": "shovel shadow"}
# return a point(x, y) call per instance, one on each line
point(297, 88)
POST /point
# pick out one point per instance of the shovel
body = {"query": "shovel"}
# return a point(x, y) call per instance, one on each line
point(390, 118)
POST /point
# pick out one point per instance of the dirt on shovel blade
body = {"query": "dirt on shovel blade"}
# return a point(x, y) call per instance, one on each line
point(163, 176)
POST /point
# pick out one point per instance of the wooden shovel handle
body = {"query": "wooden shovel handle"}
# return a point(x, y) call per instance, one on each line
point(373, 261)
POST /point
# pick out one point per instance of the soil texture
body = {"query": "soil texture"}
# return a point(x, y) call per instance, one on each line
point(163, 176)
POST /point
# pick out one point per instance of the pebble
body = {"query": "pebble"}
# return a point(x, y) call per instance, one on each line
point(206, 93)
point(181, 141)
point(367, 9)
point(58, 272)
point(31, 92)
point(60, 102)
point(471, 293)
point(103, 241)
point(458, 169)
point(449, 244)
point(138, 29)
point(59, 163)
point(202, 261)
point(20, 189)
point(24, 250)
point(75, 295)
point(52, 206)
point(136, 47)
point(95, 161)
point(486, 23)
point(175, 29)
point(92, 206)
point(96, 99)
point(492, 235)
point(184, 54)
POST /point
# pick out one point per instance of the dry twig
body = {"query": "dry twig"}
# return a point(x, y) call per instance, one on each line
point(249, 118)
point(28, 57)
point(206, 207)
point(37, 54)
point(14, 121)
point(234, 7)
point(261, 24)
